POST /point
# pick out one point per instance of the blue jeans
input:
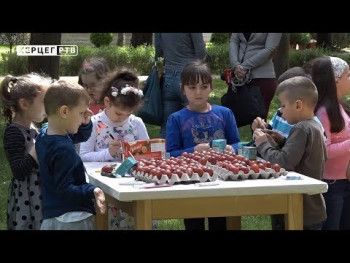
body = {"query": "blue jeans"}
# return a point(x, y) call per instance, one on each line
point(173, 99)
point(337, 205)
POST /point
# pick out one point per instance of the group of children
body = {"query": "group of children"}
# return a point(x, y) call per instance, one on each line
point(49, 190)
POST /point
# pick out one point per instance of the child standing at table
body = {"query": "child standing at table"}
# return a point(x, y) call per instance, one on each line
point(67, 197)
point(305, 150)
point(116, 123)
point(278, 128)
point(91, 76)
point(332, 78)
point(111, 127)
point(196, 125)
point(22, 102)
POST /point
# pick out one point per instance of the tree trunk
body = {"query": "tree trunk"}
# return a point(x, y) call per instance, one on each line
point(120, 39)
point(281, 57)
point(139, 39)
point(324, 40)
point(45, 64)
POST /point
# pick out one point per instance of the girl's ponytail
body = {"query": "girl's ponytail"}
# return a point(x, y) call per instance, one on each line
point(7, 102)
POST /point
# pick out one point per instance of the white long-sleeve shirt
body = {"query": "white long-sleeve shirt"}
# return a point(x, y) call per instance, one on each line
point(95, 149)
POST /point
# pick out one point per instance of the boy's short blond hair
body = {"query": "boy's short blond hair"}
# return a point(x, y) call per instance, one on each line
point(62, 93)
point(299, 88)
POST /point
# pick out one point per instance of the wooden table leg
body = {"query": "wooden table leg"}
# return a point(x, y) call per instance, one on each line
point(143, 215)
point(294, 218)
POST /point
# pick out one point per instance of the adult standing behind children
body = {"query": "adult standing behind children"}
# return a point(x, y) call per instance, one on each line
point(331, 76)
point(22, 102)
point(116, 123)
point(252, 53)
point(178, 49)
point(67, 197)
point(91, 75)
point(305, 150)
point(195, 126)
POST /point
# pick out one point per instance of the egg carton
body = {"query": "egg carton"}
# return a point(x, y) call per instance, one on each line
point(226, 175)
point(175, 179)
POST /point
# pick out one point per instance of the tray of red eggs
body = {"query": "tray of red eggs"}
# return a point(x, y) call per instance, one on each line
point(178, 170)
point(230, 166)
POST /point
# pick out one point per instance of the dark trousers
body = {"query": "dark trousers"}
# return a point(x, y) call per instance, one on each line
point(215, 223)
point(337, 200)
point(268, 89)
point(277, 222)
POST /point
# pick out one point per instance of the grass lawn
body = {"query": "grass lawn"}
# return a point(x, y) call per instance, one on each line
point(248, 222)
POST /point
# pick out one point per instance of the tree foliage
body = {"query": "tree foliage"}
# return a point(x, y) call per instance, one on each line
point(12, 39)
point(220, 38)
point(101, 39)
point(48, 65)
point(139, 39)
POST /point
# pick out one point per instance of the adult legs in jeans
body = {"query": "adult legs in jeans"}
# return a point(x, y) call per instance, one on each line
point(337, 205)
point(173, 99)
point(214, 223)
point(345, 215)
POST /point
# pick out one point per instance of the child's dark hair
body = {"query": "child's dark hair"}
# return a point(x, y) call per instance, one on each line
point(64, 93)
point(293, 72)
point(116, 82)
point(194, 71)
point(24, 87)
point(299, 88)
point(323, 76)
point(96, 65)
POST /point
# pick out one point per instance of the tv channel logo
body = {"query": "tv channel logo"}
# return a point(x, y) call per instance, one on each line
point(47, 50)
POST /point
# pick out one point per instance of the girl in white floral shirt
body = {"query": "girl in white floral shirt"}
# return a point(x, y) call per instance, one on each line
point(116, 123)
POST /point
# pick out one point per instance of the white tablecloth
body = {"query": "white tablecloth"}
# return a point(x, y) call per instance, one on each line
point(116, 187)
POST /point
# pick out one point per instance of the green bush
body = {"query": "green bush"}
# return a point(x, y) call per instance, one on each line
point(13, 64)
point(300, 57)
point(218, 58)
point(220, 38)
point(101, 39)
point(139, 58)
point(341, 40)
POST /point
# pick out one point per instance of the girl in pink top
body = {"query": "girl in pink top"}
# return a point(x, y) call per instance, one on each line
point(331, 76)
